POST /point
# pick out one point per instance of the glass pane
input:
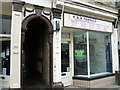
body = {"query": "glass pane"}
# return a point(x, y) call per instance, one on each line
point(64, 57)
point(65, 35)
point(5, 17)
point(5, 31)
point(5, 56)
point(100, 52)
point(80, 53)
point(5, 24)
point(0, 24)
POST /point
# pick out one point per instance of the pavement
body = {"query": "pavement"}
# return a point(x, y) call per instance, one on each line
point(110, 87)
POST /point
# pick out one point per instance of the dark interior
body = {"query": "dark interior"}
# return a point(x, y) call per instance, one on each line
point(6, 59)
point(35, 47)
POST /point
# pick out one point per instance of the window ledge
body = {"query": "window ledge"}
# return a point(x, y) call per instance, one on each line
point(5, 35)
point(93, 78)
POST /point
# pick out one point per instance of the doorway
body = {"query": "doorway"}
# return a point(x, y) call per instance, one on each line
point(36, 53)
point(66, 74)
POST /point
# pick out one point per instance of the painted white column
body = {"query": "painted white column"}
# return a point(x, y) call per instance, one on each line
point(15, 64)
point(56, 53)
point(115, 61)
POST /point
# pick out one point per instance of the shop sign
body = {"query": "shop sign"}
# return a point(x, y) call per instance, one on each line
point(83, 22)
point(79, 52)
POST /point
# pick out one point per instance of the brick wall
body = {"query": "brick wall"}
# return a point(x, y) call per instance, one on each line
point(97, 83)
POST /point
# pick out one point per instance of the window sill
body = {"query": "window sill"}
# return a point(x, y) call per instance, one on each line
point(5, 35)
point(93, 78)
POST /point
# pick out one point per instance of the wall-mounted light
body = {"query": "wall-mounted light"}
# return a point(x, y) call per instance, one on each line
point(116, 3)
point(57, 26)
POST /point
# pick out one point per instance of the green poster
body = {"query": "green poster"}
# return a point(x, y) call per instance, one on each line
point(79, 52)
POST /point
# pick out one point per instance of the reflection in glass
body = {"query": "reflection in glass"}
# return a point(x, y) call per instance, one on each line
point(64, 57)
point(100, 56)
point(80, 53)
point(5, 24)
point(5, 56)
point(100, 52)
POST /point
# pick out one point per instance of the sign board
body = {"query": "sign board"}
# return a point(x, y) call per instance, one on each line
point(79, 52)
point(82, 22)
point(45, 3)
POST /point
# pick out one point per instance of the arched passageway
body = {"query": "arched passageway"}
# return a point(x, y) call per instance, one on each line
point(37, 52)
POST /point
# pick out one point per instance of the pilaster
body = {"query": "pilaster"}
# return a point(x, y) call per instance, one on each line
point(57, 48)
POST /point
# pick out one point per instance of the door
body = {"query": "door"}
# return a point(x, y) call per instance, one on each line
point(66, 74)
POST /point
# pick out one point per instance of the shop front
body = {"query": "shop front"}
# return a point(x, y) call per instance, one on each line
point(26, 38)
point(87, 48)
point(5, 41)
point(46, 44)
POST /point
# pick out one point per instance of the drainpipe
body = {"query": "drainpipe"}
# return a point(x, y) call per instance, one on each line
point(119, 36)
point(117, 73)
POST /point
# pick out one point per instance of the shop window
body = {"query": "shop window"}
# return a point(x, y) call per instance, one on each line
point(80, 52)
point(5, 56)
point(5, 34)
point(92, 53)
point(100, 52)
point(5, 24)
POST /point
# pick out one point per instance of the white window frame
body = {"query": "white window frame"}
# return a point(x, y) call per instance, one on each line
point(88, 55)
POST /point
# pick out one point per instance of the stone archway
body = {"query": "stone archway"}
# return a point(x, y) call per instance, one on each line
point(46, 41)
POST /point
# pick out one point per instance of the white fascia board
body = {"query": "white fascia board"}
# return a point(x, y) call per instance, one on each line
point(87, 10)
point(94, 6)
point(88, 4)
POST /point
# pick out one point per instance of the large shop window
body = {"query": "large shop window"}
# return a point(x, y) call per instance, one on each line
point(5, 39)
point(80, 49)
point(5, 56)
point(92, 53)
point(5, 30)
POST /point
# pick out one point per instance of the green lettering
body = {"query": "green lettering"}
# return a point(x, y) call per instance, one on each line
point(79, 52)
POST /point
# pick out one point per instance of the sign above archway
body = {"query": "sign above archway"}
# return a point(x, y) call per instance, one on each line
point(82, 22)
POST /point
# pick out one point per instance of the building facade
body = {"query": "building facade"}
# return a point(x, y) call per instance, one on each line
point(76, 44)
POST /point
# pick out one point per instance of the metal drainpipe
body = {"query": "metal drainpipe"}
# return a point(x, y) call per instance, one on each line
point(117, 73)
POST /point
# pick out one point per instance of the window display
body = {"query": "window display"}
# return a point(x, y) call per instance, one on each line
point(5, 30)
point(4, 56)
point(80, 52)
point(92, 56)
point(100, 52)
